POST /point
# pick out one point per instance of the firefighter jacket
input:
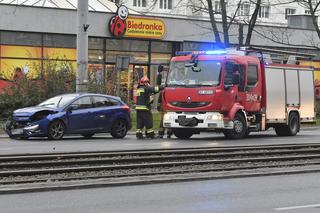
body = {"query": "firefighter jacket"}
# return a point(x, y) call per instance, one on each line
point(143, 96)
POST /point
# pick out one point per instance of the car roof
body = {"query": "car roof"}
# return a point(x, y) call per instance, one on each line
point(94, 94)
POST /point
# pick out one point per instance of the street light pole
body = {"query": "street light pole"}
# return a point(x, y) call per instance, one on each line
point(82, 46)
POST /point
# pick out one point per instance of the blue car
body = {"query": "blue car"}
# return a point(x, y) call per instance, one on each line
point(76, 113)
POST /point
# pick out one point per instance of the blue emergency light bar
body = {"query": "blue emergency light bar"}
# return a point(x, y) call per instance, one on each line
point(208, 52)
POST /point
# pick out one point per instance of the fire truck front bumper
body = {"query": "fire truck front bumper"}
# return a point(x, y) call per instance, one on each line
point(201, 120)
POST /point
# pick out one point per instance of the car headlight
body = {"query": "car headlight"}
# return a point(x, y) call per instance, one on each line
point(32, 128)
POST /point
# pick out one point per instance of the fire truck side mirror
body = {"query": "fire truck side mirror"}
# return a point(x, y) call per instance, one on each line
point(160, 68)
point(235, 78)
point(159, 79)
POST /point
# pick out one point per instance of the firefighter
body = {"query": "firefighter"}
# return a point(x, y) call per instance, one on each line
point(143, 108)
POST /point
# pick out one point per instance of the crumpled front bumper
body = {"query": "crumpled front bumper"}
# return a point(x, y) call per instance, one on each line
point(23, 129)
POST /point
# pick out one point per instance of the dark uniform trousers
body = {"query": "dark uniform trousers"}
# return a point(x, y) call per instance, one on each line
point(144, 119)
point(144, 115)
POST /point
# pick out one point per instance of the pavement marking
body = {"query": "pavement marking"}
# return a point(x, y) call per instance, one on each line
point(297, 207)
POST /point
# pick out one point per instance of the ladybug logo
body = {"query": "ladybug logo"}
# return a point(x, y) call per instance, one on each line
point(117, 24)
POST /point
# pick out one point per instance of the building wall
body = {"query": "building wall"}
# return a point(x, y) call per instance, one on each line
point(49, 20)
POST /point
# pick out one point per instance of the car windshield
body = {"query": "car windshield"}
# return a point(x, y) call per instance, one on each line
point(58, 101)
point(207, 73)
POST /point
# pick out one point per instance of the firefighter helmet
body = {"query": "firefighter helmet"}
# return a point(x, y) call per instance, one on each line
point(144, 80)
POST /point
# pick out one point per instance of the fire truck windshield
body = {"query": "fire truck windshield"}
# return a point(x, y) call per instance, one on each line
point(184, 76)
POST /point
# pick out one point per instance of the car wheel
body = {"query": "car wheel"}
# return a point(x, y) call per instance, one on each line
point(56, 130)
point(87, 135)
point(182, 133)
point(239, 128)
point(119, 129)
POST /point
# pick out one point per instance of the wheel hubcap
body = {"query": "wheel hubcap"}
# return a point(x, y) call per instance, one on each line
point(238, 126)
point(121, 128)
point(56, 130)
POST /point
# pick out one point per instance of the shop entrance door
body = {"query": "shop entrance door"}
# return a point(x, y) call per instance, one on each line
point(123, 83)
point(137, 71)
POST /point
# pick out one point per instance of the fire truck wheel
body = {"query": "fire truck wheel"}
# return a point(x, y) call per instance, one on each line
point(182, 133)
point(239, 128)
point(291, 129)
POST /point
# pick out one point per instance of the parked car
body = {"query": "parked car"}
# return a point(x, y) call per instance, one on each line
point(76, 113)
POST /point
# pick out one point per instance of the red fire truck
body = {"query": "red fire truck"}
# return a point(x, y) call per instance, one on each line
point(236, 92)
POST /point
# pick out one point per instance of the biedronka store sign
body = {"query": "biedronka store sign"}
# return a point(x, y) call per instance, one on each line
point(121, 25)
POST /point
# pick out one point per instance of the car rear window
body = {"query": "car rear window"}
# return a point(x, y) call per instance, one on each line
point(99, 101)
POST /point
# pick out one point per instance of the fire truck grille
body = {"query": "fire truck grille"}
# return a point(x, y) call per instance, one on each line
point(189, 105)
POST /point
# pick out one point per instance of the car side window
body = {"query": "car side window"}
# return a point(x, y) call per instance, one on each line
point(99, 101)
point(83, 103)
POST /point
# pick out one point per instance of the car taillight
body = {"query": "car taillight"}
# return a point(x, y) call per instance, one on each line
point(125, 107)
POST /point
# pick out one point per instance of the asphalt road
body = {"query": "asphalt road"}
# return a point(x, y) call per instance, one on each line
point(106, 142)
point(287, 194)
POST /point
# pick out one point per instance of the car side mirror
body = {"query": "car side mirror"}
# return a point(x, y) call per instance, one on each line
point(73, 107)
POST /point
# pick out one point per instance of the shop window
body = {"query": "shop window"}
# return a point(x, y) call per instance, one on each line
point(127, 45)
point(95, 55)
point(20, 51)
point(60, 53)
point(161, 47)
point(29, 68)
point(53, 40)
point(198, 46)
point(95, 43)
point(110, 79)
point(160, 58)
point(96, 73)
point(19, 38)
point(135, 57)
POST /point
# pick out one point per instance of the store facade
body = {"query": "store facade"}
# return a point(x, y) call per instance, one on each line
point(30, 42)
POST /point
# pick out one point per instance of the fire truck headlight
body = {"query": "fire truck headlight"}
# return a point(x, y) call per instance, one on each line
point(215, 117)
point(167, 117)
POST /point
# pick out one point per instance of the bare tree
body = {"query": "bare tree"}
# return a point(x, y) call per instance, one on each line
point(227, 20)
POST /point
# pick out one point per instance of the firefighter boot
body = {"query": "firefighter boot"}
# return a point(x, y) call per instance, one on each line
point(161, 133)
point(169, 133)
point(150, 134)
point(139, 134)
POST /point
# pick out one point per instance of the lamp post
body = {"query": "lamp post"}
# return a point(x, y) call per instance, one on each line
point(82, 47)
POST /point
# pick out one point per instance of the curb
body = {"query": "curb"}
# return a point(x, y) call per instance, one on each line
point(132, 132)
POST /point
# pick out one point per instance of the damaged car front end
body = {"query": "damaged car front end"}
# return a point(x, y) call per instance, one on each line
point(29, 122)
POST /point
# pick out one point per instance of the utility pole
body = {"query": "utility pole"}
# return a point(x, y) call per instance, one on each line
point(82, 46)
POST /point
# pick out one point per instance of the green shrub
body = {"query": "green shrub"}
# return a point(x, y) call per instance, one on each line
point(56, 77)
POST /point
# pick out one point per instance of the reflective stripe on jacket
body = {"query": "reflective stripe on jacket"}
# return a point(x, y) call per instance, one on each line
point(143, 96)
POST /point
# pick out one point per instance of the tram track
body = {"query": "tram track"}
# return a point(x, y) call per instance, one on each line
point(47, 171)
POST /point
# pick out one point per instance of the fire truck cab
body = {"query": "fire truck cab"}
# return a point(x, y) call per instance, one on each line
point(236, 93)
